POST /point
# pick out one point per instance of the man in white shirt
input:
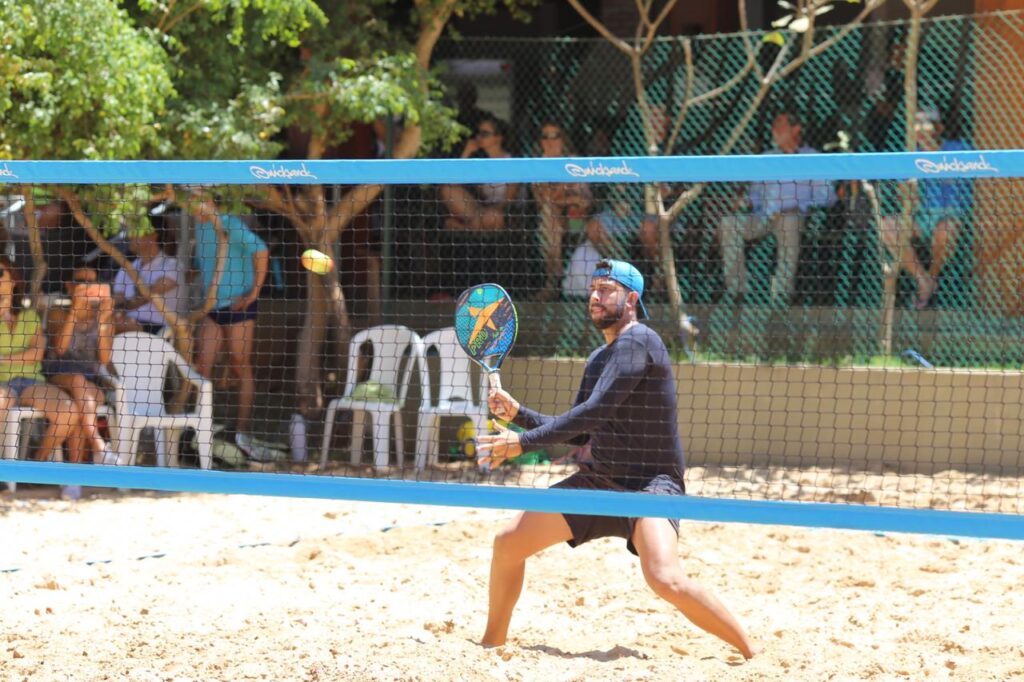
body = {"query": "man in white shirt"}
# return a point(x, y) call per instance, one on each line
point(159, 272)
point(778, 208)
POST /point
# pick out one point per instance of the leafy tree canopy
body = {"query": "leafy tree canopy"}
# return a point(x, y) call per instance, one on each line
point(78, 81)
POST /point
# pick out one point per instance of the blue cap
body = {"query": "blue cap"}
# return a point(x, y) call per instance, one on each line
point(626, 275)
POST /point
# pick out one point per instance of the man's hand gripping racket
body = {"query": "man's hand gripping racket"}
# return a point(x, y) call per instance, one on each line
point(486, 325)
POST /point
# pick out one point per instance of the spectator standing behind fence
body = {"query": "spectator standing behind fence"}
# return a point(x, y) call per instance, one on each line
point(22, 347)
point(563, 208)
point(233, 318)
point(779, 208)
point(481, 207)
point(937, 221)
point(604, 236)
point(81, 343)
point(159, 272)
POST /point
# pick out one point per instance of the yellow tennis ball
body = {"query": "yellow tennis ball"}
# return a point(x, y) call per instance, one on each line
point(317, 261)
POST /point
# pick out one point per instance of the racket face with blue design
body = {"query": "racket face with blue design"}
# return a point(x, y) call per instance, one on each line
point(486, 325)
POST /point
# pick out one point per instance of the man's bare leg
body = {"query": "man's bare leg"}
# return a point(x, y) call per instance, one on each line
point(655, 541)
point(528, 534)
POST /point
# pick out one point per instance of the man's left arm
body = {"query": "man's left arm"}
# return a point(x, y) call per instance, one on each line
point(623, 371)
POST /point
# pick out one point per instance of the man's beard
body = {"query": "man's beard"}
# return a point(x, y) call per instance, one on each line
point(610, 319)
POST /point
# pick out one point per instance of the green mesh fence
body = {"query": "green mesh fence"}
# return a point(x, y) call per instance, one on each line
point(849, 98)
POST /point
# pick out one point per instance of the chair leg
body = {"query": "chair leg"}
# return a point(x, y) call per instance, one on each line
point(325, 445)
point(424, 438)
point(434, 445)
point(205, 447)
point(355, 448)
point(127, 442)
point(171, 446)
point(23, 443)
point(12, 435)
point(160, 442)
point(399, 437)
point(381, 424)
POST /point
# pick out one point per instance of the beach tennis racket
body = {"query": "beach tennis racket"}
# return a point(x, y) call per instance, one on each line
point(486, 325)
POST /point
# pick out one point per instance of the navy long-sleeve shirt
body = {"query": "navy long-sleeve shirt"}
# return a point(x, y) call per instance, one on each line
point(625, 408)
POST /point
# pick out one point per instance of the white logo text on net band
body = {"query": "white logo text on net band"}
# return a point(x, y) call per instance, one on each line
point(600, 170)
point(279, 172)
point(6, 172)
point(954, 166)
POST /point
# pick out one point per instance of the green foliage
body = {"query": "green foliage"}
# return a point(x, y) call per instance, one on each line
point(378, 86)
point(242, 127)
point(211, 79)
point(78, 82)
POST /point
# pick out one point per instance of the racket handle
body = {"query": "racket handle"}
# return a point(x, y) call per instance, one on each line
point(494, 380)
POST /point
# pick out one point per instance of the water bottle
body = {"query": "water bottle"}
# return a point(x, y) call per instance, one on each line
point(298, 438)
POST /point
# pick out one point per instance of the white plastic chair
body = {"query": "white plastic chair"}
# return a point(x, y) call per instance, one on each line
point(15, 446)
point(454, 393)
point(390, 344)
point(141, 362)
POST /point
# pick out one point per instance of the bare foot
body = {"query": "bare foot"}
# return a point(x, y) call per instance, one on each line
point(752, 650)
point(492, 642)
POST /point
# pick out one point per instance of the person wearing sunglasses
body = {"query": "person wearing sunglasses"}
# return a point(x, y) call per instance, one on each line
point(22, 347)
point(481, 207)
point(564, 208)
point(81, 345)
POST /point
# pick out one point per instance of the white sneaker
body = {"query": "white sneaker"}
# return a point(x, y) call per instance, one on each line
point(109, 457)
point(257, 452)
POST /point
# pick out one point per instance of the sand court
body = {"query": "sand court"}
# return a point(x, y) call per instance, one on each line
point(146, 586)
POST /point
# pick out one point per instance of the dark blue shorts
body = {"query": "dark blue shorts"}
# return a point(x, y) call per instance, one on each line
point(18, 385)
point(56, 366)
point(586, 528)
point(227, 316)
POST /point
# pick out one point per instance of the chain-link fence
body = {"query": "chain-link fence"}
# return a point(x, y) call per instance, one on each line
point(848, 98)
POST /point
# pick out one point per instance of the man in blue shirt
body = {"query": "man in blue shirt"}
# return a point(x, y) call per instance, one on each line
point(937, 220)
point(233, 317)
point(626, 409)
point(779, 208)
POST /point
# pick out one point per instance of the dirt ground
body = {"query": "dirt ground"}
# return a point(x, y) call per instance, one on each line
point(182, 587)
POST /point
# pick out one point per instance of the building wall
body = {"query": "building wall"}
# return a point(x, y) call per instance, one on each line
point(864, 418)
point(999, 212)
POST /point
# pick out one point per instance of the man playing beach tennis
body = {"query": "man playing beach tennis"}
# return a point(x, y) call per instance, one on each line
point(626, 410)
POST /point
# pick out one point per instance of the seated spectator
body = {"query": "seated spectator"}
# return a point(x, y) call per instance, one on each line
point(605, 234)
point(481, 207)
point(81, 342)
point(22, 347)
point(468, 113)
point(778, 208)
point(159, 272)
point(233, 318)
point(941, 205)
point(563, 208)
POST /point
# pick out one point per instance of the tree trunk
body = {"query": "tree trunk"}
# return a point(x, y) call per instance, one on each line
point(309, 350)
point(35, 243)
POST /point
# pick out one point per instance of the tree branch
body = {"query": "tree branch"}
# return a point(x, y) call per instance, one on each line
point(678, 126)
point(179, 325)
point(869, 7)
point(622, 45)
point(167, 13)
point(35, 244)
point(745, 32)
point(178, 19)
point(653, 28)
